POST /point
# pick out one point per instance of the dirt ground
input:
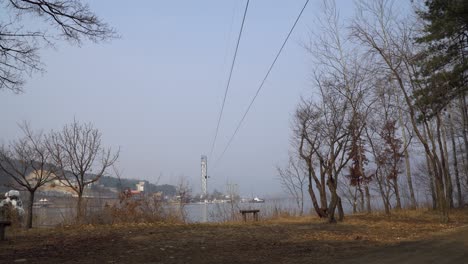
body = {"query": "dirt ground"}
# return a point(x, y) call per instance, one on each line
point(411, 237)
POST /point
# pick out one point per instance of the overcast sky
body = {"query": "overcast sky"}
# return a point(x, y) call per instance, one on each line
point(156, 92)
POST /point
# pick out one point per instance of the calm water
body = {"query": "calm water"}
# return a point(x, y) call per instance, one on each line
point(211, 212)
point(220, 212)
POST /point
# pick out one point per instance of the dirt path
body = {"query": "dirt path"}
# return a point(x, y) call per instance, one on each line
point(448, 247)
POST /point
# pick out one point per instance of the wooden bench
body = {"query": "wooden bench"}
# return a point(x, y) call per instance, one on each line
point(3, 225)
point(245, 212)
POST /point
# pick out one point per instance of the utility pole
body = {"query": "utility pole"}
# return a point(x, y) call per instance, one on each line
point(204, 175)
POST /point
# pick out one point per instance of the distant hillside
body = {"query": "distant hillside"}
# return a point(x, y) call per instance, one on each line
point(105, 181)
point(111, 182)
point(6, 181)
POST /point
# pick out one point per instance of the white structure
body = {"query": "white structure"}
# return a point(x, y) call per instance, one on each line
point(204, 175)
point(12, 198)
point(140, 186)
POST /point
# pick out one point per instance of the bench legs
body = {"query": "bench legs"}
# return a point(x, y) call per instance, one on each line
point(255, 216)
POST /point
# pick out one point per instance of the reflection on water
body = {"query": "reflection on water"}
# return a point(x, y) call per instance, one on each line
point(204, 212)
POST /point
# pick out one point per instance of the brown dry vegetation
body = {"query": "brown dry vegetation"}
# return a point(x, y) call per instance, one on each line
point(361, 238)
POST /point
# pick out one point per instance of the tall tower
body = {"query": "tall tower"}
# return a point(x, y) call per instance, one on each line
point(204, 175)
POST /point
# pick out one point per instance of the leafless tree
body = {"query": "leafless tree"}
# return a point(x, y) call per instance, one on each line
point(81, 159)
point(323, 141)
point(383, 182)
point(28, 162)
point(349, 193)
point(455, 158)
point(387, 147)
point(407, 134)
point(25, 29)
point(293, 179)
point(307, 127)
point(337, 114)
point(389, 38)
point(184, 193)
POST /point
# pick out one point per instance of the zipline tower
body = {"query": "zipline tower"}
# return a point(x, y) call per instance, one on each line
point(204, 175)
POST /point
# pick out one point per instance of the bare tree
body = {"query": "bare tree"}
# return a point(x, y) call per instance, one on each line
point(357, 176)
point(28, 163)
point(405, 130)
point(308, 122)
point(464, 128)
point(340, 79)
point(445, 155)
point(81, 159)
point(386, 147)
point(379, 173)
point(349, 193)
point(293, 179)
point(391, 156)
point(184, 193)
point(455, 158)
point(21, 41)
point(323, 141)
point(389, 39)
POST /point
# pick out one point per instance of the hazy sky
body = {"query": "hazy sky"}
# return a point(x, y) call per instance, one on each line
point(156, 92)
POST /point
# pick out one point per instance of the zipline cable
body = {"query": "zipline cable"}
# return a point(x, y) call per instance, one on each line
point(262, 83)
point(229, 78)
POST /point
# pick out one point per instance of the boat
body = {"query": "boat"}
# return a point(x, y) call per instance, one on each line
point(257, 200)
point(43, 203)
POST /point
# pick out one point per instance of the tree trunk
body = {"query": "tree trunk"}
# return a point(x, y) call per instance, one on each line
point(332, 207)
point(438, 171)
point(322, 190)
point(430, 171)
point(463, 158)
point(355, 200)
point(464, 114)
point(448, 177)
point(340, 210)
point(409, 179)
point(397, 193)
point(430, 149)
point(455, 159)
point(323, 198)
point(441, 139)
point(382, 193)
point(332, 185)
point(368, 199)
point(431, 185)
point(441, 199)
point(317, 209)
point(301, 213)
point(407, 159)
point(311, 177)
point(30, 209)
point(361, 197)
point(79, 208)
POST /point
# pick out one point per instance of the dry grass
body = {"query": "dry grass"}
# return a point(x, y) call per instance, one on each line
point(282, 239)
point(403, 225)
